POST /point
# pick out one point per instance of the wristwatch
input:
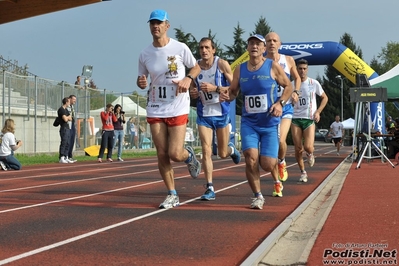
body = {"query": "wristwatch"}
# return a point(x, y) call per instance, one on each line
point(191, 77)
point(283, 103)
point(218, 89)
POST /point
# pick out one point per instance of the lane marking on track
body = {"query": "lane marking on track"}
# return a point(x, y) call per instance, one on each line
point(97, 193)
point(103, 229)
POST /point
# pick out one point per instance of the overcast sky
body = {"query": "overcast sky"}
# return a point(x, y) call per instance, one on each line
point(110, 35)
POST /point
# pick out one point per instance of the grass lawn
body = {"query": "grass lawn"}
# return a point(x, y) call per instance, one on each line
point(53, 158)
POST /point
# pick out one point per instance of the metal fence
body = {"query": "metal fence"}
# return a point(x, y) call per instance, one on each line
point(32, 102)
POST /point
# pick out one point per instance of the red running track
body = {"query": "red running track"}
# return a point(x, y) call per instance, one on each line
point(107, 214)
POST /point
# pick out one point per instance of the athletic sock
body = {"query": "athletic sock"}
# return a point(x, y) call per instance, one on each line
point(172, 192)
point(258, 195)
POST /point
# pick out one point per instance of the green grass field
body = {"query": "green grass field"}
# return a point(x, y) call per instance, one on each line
point(53, 158)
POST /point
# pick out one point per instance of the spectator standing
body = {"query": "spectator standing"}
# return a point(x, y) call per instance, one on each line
point(107, 134)
point(8, 145)
point(118, 130)
point(71, 109)
point(65, 119)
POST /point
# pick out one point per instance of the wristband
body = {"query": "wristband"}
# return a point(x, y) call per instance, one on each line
point(218, 89)
point(297, 93)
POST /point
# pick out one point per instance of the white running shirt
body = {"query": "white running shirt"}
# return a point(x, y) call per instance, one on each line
point(284, 65)
point(307, 105)
point(337, 128)
point(165, 64)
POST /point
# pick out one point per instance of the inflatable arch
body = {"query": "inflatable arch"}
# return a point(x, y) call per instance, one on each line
point(335, 54)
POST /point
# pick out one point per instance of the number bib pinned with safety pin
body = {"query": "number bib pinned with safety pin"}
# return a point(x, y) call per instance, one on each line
point(208, 98)
point(162, 93)
point(256, 103)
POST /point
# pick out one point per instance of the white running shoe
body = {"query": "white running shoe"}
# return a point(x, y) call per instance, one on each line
point(63, 160)
point(310, 159)
point(170, 202)
point(304, 177)
point(194, 167)
point(3, 166)
point(257, 203)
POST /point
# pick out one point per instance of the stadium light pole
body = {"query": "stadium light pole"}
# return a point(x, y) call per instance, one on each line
point(342, 96)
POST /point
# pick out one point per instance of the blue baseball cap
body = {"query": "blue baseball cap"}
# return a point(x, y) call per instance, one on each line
point(159, 14)
point(259, 37)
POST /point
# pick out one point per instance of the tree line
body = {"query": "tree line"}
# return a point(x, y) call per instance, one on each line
point(383, 62)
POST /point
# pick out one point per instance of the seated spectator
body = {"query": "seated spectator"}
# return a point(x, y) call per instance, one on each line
point(8, 145)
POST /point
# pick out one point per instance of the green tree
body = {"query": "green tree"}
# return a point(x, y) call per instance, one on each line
point(262, 27)
point(386, 60)
point(232, 53)
point(239, 46)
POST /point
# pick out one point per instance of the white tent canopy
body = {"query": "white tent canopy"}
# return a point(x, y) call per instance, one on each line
point(349, 123)
point(131, 108)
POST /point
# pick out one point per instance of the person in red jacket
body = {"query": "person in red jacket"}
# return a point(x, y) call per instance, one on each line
point(107, 135)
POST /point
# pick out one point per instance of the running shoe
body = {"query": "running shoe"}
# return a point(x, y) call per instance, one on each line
point(337, 153)
point(310, 159)
point(170, 202)
point(304, 177)
point(120, 159)
point(278, 190)
point(208, 195)
point(63, 160)
point(3, 166)
point(194, 167)
point(236, 156)
point(257, 203)
point(100, 160)
point(282, 172)
point(69, 160)
point(110, 160)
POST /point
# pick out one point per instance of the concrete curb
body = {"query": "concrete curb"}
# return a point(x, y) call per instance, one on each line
point(263, 255)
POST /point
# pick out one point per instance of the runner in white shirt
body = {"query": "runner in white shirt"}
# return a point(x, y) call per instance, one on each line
point(287, 63)
point(306, 113)
point(213, 115)
point(168, 103)
point(337, 131)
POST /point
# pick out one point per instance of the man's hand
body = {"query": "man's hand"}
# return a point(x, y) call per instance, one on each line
point(194, 94)
point(224, 95)
point(208, 87)
point(276, 109)
point(142, 82)
point(182, 85)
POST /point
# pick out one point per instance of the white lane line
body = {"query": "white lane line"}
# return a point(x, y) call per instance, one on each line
point(102, 192)
point(68, 172)
point(103, 229)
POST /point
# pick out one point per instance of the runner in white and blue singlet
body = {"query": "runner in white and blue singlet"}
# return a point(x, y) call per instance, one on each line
point(273, 43)
point(261, 112)
point(212, 115)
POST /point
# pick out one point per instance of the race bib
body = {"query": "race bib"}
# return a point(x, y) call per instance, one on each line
point(209, 97)
point(256, 103)
point(162, 93)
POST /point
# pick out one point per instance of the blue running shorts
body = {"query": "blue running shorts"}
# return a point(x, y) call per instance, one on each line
point(263, 138)
point(214, 122)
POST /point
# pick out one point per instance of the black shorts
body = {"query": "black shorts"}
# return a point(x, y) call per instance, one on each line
point(336, 140)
